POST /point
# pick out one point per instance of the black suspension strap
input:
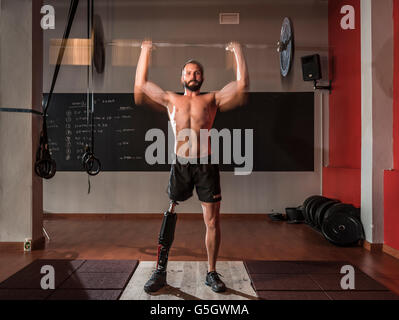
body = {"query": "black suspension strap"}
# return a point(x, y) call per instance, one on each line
point(90, 163)
point(45, 166)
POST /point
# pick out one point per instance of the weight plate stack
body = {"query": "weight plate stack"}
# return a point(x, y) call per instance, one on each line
point(309, 205)
point(305, 206)
point(320, 212)
point(313, 206)
point(342, 226)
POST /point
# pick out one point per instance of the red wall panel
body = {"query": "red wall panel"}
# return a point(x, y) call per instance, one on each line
point(391, 209)
point(345, 99)
point(342, 184)
point(341, 179)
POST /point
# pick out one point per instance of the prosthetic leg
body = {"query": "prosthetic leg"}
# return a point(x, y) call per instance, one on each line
point(166, 236)
point(165, 240)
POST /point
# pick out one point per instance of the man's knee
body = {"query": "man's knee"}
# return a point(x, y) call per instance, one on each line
point(212, 222)
point(211, 214)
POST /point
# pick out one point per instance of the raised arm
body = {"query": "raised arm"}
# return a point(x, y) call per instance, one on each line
point(234, 94)
point(146, 91)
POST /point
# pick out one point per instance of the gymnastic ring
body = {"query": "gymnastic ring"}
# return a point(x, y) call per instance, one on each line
point(45, 168)
point(85, 157)
point(91, 162)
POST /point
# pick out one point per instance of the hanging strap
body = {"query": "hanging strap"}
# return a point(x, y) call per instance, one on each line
point(71, 15)
point(45, 166)
point(91, 164)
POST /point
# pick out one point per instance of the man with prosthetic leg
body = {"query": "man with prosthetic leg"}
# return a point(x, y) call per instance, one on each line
point(189, 114)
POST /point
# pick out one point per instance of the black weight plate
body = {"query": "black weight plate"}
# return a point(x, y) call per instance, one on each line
point(99, 46)
point(342, 207)
point(321, 210)
point(309, 199)
point(342, 228)
point(305, 203)
point(308, 206)
point(313, 208)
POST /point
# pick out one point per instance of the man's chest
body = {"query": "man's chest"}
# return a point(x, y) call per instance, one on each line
point(192, 109)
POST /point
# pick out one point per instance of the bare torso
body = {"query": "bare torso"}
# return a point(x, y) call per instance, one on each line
point(193, 113)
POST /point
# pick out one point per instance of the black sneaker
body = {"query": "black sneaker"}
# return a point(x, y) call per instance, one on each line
point(156, 282)
point(213, 280)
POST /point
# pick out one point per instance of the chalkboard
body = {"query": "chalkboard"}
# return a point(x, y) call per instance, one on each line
point(282, 123)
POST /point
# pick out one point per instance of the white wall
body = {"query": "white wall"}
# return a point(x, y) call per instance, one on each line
point(377, 102)
point(191, 22)
point(15, 128)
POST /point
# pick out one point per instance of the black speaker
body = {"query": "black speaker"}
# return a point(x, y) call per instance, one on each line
point(311, 69)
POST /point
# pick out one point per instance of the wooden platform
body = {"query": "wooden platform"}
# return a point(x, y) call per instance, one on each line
point(186, 282)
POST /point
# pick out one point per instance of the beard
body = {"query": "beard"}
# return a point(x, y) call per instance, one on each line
point(193, 85)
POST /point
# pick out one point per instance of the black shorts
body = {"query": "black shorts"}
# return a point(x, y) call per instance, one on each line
point(205, 178)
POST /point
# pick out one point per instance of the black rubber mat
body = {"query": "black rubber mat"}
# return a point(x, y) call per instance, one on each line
point(73, 280)
point(30, 276)
point(311, 280)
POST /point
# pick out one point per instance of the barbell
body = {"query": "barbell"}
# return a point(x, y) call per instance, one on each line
point(284, 46)
point(136, 44)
